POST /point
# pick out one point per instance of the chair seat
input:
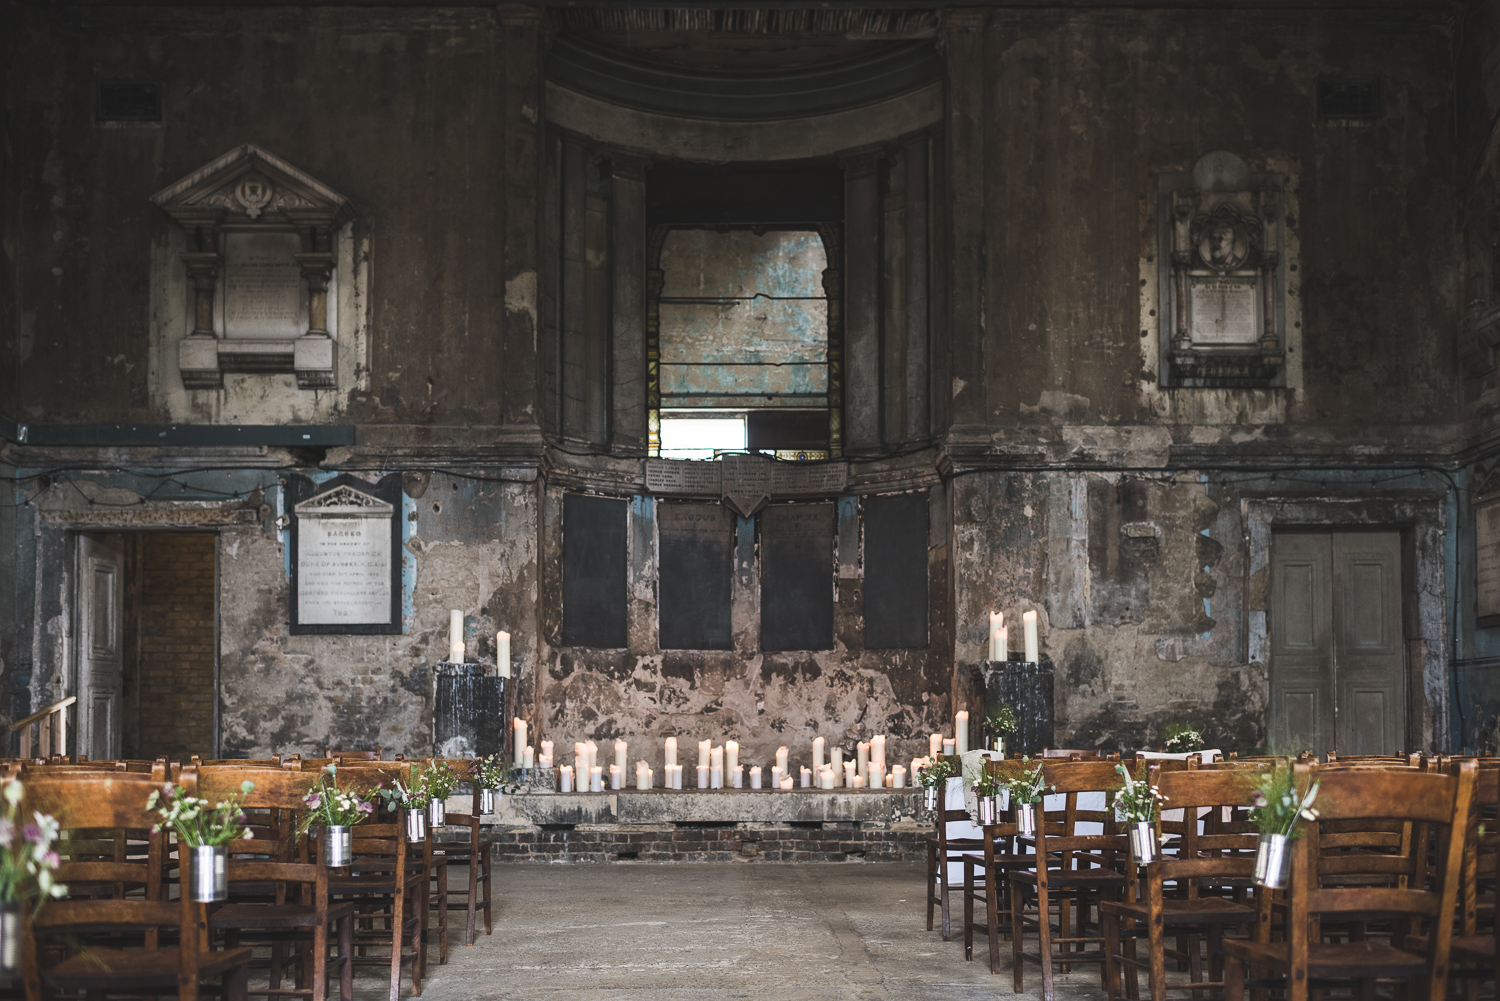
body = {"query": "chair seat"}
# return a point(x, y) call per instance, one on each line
point(1201, 910)
point(462, 849)
point(1334, 959)
point(272, 917)
point(128, 969)
point(371, 883)
point(1073, 878)
point(1473, 949)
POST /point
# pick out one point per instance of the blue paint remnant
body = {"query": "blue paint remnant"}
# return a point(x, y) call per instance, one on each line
point(744, 549)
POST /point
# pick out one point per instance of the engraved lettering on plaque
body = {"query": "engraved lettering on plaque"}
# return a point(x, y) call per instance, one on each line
point(263, 286)
point(343, 559)
point(1487, 557)
point(1222, 310)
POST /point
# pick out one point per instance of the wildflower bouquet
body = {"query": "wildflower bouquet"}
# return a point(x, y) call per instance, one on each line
point(1030, 786)
point(1136, 802)
point(1181, 738)
point(985, 784)
point(28, 861)
point(936, 773)
point(1001, 721)
point(1278, 806)
point(441, 778)
point(330, 806)
point(490, 772)
point(410, 792)
point(196, 823)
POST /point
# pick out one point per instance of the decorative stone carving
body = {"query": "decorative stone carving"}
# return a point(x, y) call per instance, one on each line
point(1223, 293)
point(260, 260)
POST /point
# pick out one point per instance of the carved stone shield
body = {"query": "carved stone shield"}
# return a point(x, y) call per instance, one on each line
point(746, 483)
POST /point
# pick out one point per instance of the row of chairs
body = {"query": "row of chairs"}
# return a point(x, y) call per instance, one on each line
point(283, 899)
point(1380, 886)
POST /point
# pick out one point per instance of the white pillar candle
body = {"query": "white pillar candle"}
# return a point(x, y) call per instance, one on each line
point(947, 746)
point(1028, 623)
point(755, 776)
point(825, 778)
point(997, 622)
point(547, 746)
point(737, 776)
point(502, 653)
point(565, 783)
point(775, 777)
point(818, 745)
point(862, 758)
point(671, 751)
point(593, 750)
point(518, 740)
point(456, 636)
point(859, 781)
point(781, 756)
point(935, 745)
point(702, 776)
point(614, 776)
point(528, 759)
point(621, 754)
point(716, 776)
point(642, 775)
point(596, 778)
point(705, 748)
point(898, 777)
point(732, 758)
point(836, 762)
point(786, 783)
point(545, 761)
point(849, 775)
point(877, 753)
point(1004, 633)
point(806, 777)
point(677, 777)
point(580, 760)
point(961, 731)
point(716, 758)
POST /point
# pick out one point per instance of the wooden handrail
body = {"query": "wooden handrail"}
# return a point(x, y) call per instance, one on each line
point(40, 713)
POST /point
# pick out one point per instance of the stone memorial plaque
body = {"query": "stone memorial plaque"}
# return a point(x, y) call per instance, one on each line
point(682, 476)
point(1487, 561)
point(263, 287)
point(1222, 310)
point(796, 577)
point(346, 575)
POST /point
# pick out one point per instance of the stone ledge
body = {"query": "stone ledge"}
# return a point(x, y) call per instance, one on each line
point(694, 806)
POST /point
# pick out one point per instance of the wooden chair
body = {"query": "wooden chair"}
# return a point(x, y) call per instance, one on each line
point(388, 890)
point(1071, 870)
point(1002, 854)
point(110, 803)
point(1210, 856)
point(477, 852)
point(943, 850)
point(1437, 806)
point(353, 754)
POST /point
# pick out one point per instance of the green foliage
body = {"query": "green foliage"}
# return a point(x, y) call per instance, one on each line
point(1030, 786)
point(410, 792)
point(492, 772)
point(1180, 737)
point(984, 783)
point(1136, 802)
point(937, 772)
point(1278, 805)
point(195, 822)
point(1001, 721)
point(441, 778)
point(28, 863)
point(330, 806)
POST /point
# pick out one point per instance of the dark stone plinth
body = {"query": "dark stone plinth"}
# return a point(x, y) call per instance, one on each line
point(1027, 688)
point(468, 718)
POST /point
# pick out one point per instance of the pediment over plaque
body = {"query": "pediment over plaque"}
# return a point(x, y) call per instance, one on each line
point(260, 258)
point(745, 482)
point(346, 556)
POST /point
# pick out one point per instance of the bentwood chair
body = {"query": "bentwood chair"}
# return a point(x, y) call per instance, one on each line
point(1437, 808)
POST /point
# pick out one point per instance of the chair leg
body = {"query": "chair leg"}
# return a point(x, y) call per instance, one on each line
point(931, 879)
point(1044, 937)
point(489, 875)
point(235, 983)
point(992, 885)
point(968, 909)
point(442, 909)
point(473, 895)
point(1017, 935)
point(398, 913)
point(1111, 924)
point(943, 892)
point(346, 950)
point(419, 960)
point(1157, 943)
point(1234, 979)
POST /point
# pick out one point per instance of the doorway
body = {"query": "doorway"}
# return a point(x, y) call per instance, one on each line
point(147, 665)
point(1338, 664)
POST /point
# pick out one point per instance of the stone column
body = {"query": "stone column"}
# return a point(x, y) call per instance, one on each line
point(198, 352)
point(962, 43)
point(523, 123)
point(313, 353)
point(862, 267)
point(917, 359)
point(628, 306)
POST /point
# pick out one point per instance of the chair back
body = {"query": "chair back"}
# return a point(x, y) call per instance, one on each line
point(1059, 839)
point(352, 754)
point(1210, 849)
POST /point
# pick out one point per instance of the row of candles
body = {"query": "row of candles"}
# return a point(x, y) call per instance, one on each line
point(719, 766)
point(1000, 637)
point(456, 644)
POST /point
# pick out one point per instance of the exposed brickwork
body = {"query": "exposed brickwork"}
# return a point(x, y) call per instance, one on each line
point(177, 644)
point(828, 842)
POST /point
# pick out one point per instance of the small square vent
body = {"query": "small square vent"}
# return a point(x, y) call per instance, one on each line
point(1348, 99)
point(136, 103)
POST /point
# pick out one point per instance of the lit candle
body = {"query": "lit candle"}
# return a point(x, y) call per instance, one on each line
point(456, 636)
point(1028, 623)
point(877, 753)
point(732, 758)
point(702, 776)
point(716, 776)
point(705, 747)
point(898, 777)
point(806, 777)
point(781, 756)
point(859, 781)
point(755, 776)
point(737, 776)
point(518, 740)
point(849, 775)
point(947, 746)
point(1005, 642)
point(566, 782)
point(862, 758)
point(818, 745)
point(614, 776)
point(621, 757)
point(528, 759)
point(545, 761)
point(935, 745)
point(642, 775)
point(671, 752)
point(502, 653)
point(836, 761)
point(997, 622)
point(961, 731)
point(596, 778)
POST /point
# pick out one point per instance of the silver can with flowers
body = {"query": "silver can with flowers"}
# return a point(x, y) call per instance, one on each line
point(441, 780)
point(488, 775)
point(934, 777)
point(1138, 806)
point(1277, 807)
point(987, 788)
point(203, 832)
point(28, 870)
point(335, 812)
point(1026, 791)
point(408, 795)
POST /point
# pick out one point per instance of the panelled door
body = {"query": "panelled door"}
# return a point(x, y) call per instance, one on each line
point(101, 654)
point(1338, 666)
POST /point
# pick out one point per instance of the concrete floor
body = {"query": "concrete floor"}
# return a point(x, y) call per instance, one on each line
point(680, 932)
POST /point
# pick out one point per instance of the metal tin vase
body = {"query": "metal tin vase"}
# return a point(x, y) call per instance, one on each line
point(1025, 819)
point(1273, 861)
point(338, 847)
point(416, 826)
point(986, 811)
point(486, 801)
point(10, 938)
point(437, 812)
point(210, 874)
point(1144, 846)
point(931, 794)
point(999, 745)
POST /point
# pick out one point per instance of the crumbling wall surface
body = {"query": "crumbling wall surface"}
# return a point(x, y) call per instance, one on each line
point(1084, 109)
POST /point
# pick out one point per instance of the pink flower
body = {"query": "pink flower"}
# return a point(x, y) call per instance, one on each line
point(314, 800)
point(51, 860)
point(31, 833)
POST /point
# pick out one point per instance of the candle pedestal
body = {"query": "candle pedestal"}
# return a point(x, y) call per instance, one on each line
point(1027, 687)
point(468, 717)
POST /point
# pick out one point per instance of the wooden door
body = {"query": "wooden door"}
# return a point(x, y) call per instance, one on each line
point(101, 654)
point(1337, 652)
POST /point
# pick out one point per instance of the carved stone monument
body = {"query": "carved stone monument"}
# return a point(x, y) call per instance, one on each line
point(260, 258)
point(1222, 292)
point(346, 565)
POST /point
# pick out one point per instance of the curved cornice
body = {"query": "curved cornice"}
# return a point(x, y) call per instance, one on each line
point(760, 95)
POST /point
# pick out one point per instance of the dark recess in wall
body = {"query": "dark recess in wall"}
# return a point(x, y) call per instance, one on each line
point(593, 571)
point(896, 571)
